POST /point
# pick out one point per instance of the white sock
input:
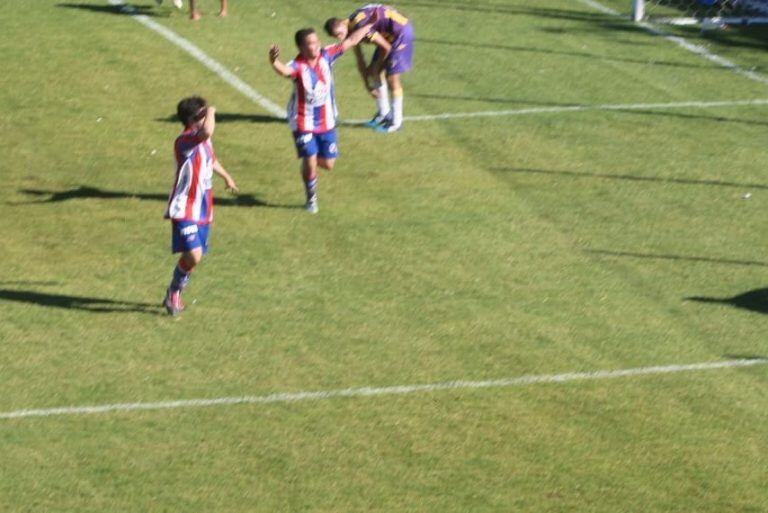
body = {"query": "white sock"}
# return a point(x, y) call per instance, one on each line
point(382, 102)
point(397, 108)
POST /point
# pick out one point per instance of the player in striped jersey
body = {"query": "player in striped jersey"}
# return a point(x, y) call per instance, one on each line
point(190, 204)
point(392, 33)
point(312, 108)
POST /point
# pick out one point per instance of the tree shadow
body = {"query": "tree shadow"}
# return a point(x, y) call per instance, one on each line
point(228, 117)
point(586, 55)
point(85, 192)
point(542, 12)
point(488, 100)
point(632, 178)
point(122, 10)
point(683, 258)
point(27, 283)
point(697, 117)
point(89, 304)
point(753, 300)
point(732, 356)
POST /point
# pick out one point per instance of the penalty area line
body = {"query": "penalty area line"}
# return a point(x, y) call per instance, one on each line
point(249, 92)
point(199, 55)
point(578, 108)
point(287, 397)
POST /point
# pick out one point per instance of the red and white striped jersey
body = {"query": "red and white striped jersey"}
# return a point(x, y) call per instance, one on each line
point(192, 196)
point(312, 107)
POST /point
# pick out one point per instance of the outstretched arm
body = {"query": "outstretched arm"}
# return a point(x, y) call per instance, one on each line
point(219, 170)
point(281, 69)
point(355, 37)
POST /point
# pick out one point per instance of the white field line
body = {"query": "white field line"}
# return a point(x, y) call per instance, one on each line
point(577, 108)
point(213, 65)
point(286, 397)
point(683, 43)
point(274, 109)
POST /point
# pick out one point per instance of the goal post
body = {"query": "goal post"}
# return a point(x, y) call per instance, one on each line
point(707, 13)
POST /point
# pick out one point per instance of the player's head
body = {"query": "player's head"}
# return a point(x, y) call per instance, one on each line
point(336, 28)
point(308, 43)
point(191, 110)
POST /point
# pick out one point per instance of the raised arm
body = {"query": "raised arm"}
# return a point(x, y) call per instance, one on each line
point(281, 69)
point(209, 124)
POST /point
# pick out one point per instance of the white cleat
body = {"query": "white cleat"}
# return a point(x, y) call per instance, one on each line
point(311, 205)
point(176, 3)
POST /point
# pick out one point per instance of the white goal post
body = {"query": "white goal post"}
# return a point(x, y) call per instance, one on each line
point(707, 13)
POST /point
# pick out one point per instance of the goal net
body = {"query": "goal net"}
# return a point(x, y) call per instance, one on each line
point(707, 13)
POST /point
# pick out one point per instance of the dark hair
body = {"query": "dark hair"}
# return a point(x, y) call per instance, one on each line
point(302, 34)
point(188, 108)
point(331, 24)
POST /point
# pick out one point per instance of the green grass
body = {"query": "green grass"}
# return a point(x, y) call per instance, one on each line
point(463, 249)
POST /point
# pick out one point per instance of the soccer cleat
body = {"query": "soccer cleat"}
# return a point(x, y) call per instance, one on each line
point(387, 127)
point(378, 120)
point(172, 302)
point(177, 3)
point(311, 205)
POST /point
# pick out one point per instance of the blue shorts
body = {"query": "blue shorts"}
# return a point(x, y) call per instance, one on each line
point(323, 145)
point(188, 235)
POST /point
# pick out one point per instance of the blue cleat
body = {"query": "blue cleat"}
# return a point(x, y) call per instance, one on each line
point(377, 120)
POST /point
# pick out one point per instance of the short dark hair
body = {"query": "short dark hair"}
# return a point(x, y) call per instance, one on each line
point(331, 24)
point(188, 108)
point(302, 34)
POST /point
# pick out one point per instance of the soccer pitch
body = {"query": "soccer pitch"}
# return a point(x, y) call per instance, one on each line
point(547, 293)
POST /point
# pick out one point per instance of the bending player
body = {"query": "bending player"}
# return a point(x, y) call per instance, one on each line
point(312, 107)
point(392, 33)
point(190, 205)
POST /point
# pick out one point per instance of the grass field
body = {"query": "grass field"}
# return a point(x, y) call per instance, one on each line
point(471, 248)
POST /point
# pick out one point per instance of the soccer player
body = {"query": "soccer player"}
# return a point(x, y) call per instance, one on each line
point(392, 33)
point(194, 14)
point(312, 107)
point(190, 204)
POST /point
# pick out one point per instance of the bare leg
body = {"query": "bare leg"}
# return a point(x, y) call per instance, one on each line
point(193, 12)
point(326, 163)
point(223, 10)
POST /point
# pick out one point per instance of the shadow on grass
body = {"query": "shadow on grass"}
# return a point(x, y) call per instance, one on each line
point(628, 177)
point(751, 36)
point(85, 192)
point(681, 258)
point(585, 55)
point(123, 9)
point(27, 283)
point(513, 101)
point(697, 117)
point(227, 117)
point(89, 304)
point(753, 300)
point(496, 9)
point(745, 357)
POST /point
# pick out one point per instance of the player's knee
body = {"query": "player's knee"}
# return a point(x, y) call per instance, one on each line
point(193, 257)
point(327, 163)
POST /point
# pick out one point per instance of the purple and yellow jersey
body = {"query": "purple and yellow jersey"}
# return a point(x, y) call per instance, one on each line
point(389, 23)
